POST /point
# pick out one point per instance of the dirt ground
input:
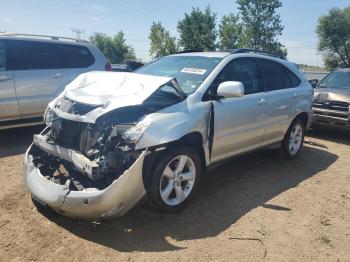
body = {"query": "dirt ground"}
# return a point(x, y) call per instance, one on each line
point(253, 208)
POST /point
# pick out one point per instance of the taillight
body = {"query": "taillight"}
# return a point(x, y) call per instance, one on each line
point(108, 66)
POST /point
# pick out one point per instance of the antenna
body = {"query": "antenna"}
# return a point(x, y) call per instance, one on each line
point(99, 33)
point(77, 32)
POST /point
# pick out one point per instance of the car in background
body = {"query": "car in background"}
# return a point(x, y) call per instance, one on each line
point(332, 100)
point(120, 68)
point(114, 138)
point(34, 69)
point(128, 66)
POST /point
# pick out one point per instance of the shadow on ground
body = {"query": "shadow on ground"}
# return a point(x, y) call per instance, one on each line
point(333, 135)
point(16, 141)
point(226, 194)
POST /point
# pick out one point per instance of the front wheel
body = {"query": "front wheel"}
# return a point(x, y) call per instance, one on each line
point(294, 139)
point(175, 179)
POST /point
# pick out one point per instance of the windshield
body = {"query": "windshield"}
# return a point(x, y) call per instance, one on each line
point(338, 79)
point(189, 71)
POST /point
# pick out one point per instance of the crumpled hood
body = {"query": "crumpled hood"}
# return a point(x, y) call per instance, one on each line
point(332, 94)
point(102, 88)
point(108, 91)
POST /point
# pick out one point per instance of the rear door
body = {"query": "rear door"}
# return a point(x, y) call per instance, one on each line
point(38, 72)
point(279, 86)
point(8, 99)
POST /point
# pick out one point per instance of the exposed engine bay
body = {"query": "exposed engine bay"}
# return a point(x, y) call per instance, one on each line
point(108, 153)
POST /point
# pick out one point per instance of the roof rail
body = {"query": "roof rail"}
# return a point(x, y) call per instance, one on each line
point(46, 36)
point(189, 51)
point(248, 50)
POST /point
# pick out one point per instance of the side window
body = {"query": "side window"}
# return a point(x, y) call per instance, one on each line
point(242, 70)
point(293, 78)
point(27, 55)
point(287, 82)
point(277, 76)
point(2, 57)
point(76, 56)
point(273, 75)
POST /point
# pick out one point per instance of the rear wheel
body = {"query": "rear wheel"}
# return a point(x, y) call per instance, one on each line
point(175, 179)
point(294, 139)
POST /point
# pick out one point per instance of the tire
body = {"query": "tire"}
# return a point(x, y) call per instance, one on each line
point(167, 181)
point(294, 139)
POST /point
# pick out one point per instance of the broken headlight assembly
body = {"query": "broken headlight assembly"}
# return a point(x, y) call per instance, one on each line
point(50, 116)
point(134, 134)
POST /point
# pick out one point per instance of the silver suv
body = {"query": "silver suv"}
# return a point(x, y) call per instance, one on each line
point(35, 69)
point(114, 138)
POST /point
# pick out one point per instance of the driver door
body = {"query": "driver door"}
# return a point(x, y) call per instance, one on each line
point(239, 122)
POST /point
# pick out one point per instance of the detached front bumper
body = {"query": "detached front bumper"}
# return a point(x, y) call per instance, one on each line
point(115, 200)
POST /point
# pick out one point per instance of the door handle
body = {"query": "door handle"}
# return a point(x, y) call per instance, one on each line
point(262, 101)
point(4, 78)
point(58, 75)
point(295, 95)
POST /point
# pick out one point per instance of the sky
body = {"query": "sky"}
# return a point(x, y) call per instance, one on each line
point(134, 17)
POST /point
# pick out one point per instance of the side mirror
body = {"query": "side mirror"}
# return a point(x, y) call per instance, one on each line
point(231, 89)
point(313, 82)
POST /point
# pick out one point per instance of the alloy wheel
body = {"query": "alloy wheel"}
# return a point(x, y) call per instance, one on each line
point(177, 180)
point(295, 139)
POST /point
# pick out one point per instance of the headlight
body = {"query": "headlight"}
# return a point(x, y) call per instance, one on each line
point(134, 133)
point(50, 116)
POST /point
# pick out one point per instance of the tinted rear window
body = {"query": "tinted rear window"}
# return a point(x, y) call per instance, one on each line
point(277, 76)
point(2, 57)
point(273, 78)
point(28, 55)
point(76, 56)
point(293, 78)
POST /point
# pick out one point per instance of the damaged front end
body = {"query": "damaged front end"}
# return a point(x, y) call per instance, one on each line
point(85, 163)
point(84, 170)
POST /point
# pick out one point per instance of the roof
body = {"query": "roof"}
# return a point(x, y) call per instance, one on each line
point(223, 54)
point(43, 38)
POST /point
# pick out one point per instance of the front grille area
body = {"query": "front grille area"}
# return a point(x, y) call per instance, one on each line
point(332, 105)
point(334, 110)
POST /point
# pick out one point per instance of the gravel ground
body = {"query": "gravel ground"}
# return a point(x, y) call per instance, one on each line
point(253, 208)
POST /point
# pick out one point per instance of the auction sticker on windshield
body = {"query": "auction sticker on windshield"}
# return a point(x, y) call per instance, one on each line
point(197, 71)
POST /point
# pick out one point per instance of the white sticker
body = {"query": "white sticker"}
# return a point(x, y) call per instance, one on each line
point(197, 71)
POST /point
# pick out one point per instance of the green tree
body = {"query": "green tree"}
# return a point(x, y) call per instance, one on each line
point(197, 30)
point(114, 48)
point(334, 37)
point(162, 43)
point(261, 25)
point(230, 31)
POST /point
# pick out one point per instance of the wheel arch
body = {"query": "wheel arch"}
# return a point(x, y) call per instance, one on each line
point(193, 139)
point(304, 117)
